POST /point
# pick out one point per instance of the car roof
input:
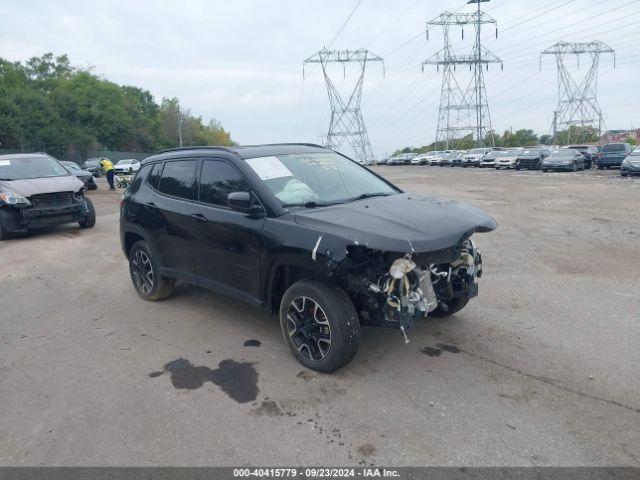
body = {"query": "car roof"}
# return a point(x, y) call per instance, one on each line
point(245, 151)
point(24, 155)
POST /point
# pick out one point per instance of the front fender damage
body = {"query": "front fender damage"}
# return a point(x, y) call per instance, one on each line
point(395, 289)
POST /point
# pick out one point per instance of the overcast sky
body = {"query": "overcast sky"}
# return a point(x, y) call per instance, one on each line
point(240, 61)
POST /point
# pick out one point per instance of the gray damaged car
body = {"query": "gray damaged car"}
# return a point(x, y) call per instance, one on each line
point(37, 191)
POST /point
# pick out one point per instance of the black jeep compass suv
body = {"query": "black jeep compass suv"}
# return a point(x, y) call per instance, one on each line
point(303, 231)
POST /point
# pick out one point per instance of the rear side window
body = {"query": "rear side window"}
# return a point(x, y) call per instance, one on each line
point(139, 178)
point(217, 180)
point(177, 178)
point(154, 176)
point(613, 147)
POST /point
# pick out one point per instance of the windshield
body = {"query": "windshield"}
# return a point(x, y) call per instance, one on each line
point(564, 153)
point(317, 178)
point(613, 147)
point(530, 152)
point(124, 162)
point(510, 153)
point(23, 168)
point(477, 150)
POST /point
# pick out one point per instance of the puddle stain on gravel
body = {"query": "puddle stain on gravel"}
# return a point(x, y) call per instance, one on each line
point(239, 380)
point(439, 348)
point(252, 343)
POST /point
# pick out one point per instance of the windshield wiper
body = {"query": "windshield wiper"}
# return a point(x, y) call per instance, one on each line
point(310, 204)
point(368, 195)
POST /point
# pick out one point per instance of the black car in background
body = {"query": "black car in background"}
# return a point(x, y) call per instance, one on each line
point(631, 164)
point(613, 154)
point(84, 176)
point(93, 165)
point(531, 159)
point(564, 159)
point(590, 153)
point(301, 231)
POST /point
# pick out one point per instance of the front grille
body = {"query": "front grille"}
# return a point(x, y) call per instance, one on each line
point(47, 200)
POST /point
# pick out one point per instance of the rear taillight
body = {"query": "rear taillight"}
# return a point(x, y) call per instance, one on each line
point(121, 202)
point(599, 155)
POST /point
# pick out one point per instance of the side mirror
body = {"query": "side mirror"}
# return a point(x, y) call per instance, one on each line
point(243, 202)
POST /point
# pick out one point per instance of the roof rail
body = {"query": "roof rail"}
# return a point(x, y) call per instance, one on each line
point(231, 148)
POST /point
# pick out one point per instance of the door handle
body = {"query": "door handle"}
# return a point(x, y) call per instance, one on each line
point(150, 206)
point(198, 217)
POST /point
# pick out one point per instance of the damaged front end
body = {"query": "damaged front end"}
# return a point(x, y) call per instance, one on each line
point(395, 291)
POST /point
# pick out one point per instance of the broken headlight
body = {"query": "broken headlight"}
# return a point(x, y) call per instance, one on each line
point(13, 199)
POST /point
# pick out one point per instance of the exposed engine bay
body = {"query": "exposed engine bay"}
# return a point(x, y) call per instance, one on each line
point(396, 291)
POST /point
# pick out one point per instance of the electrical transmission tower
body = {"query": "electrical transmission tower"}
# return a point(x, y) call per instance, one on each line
point(464, 108)
point(577, 101)
point(346, 122)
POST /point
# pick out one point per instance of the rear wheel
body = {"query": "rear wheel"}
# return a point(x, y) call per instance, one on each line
point(320, 325)
point(145, 275)
point(89, 220)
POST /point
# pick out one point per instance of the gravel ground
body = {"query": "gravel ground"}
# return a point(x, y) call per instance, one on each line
point(540, 369)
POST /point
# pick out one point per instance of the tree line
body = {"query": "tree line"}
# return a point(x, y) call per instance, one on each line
point(520, 138)
point(47, 104)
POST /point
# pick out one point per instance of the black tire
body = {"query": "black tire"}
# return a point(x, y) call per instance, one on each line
point(340, 319)
point(454, 305)
point(518, 168)
point(544, 170)
point(4, 235)
point(600, 167)
point(90, 219)
point(621, 174)
point(141, 262)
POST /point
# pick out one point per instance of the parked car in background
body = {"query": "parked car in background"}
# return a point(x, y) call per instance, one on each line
point(420, 159)
point(488, 160)
point(93, 165)
point(530, 159)
point(472, 157)
point(613, 154)
point(434, 157)
point(445, 159)
point(401, 159)
point(631, 164)
point(456, 157)
point(590, 153)
point(507, 158)
point(302, 232)
point(37, 191)
point(563, 159)
point(84, 176)
point(129, 165)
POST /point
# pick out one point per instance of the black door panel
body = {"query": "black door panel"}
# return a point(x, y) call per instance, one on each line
point(227, 248)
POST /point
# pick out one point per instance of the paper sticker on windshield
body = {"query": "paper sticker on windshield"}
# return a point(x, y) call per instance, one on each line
point(269, 167)
point(5, 163)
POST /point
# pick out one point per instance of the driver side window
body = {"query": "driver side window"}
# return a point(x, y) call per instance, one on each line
point(217, 180)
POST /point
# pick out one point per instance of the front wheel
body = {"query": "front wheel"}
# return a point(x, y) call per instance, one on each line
point(145, 275)
point(89, 220)
point(320, 325)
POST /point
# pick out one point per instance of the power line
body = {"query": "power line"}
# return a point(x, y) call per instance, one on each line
point(345, 23)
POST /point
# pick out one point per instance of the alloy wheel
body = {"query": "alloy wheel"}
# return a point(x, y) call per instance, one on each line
point(308, 328)
point(142, 272)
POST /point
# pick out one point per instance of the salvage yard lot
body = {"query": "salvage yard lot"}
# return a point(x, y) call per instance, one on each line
point(540, 369)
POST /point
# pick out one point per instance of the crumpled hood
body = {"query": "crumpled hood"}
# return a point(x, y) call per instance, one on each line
point(37, 186)
point(399, 223)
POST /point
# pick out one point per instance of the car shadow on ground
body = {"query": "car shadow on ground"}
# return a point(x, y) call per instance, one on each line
point(378, 344)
